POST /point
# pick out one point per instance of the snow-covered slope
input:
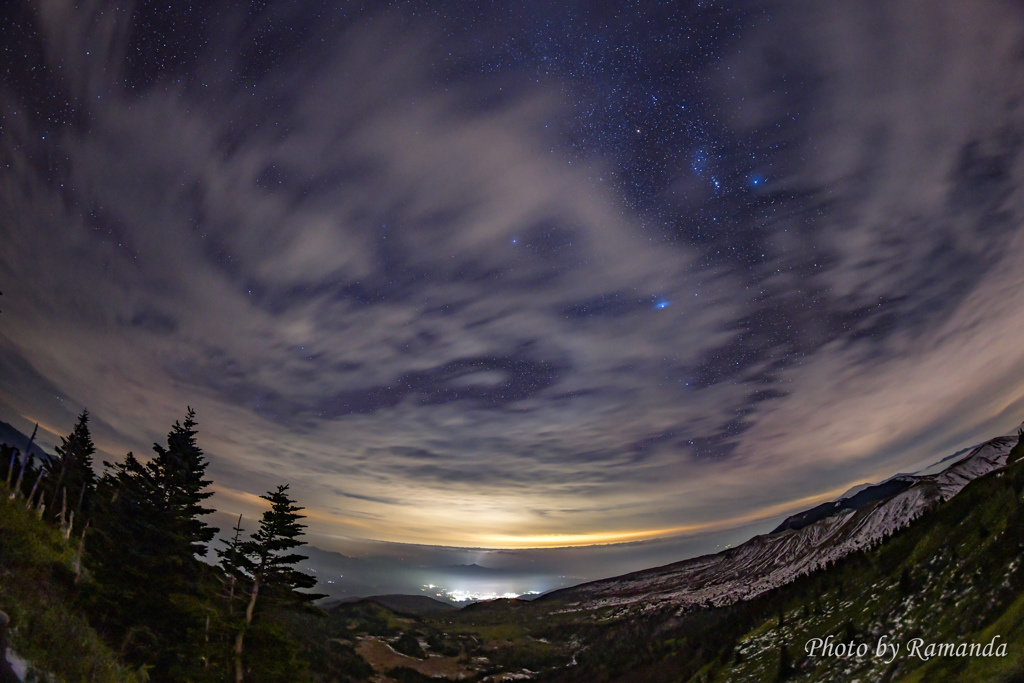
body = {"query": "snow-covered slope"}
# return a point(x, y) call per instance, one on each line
point(765, 562)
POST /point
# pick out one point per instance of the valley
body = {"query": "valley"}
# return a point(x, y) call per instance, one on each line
point(938, 562)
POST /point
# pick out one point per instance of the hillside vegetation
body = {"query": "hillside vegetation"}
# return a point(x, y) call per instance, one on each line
point(37, 593)
point(103, 579)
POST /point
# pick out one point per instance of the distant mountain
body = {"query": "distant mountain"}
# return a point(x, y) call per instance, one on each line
point(412, 604)
point(866, 496)
point(341, 576)
point(801, 544)
point(12, 436)
point(470, 570)
point(934, 468)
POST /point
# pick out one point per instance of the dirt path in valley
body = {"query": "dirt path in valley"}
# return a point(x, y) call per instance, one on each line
point(382, 657)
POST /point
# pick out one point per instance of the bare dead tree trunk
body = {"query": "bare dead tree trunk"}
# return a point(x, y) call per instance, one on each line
point(78, 554)
point(239, 677)
point(10, 467)
point(81, 499)
point(206, 639)
point(31, 439)
point(26, 461)
point(32, 493)
point(56, 485)
point(63, 505)
point(231, 585)
point(250, 608)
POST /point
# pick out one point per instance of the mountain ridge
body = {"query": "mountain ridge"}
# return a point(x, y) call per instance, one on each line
point(12, 436)
point(777, 558)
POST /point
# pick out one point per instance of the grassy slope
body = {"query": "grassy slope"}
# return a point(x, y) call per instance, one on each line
point(36, 585)
point(955, 576)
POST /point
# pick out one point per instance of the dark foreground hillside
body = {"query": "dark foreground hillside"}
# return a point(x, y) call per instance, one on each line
point(37, 573)
point(103, 577)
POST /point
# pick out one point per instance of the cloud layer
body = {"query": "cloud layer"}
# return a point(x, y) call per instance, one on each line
point(406, 291)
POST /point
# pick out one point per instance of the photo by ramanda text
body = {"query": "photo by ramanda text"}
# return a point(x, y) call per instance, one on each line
point(915, 647)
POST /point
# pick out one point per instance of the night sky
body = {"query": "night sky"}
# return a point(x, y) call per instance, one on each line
point(511, 275)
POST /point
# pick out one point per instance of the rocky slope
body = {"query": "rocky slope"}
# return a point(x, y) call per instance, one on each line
point(768, 561)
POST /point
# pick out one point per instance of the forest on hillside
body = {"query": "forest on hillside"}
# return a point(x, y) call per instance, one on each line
point(102, 576)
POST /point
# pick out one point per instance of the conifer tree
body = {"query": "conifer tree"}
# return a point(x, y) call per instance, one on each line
point(178, 471)
point(151, 587)
point(72, 481)
point(268, 563)
point(232, 561)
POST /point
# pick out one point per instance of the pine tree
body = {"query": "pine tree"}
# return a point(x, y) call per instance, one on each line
point(152, 588)
point(72, 481)
point(120, 556)
point(268, 563)
point(179, 470)
point(278, 533)
point(233, 561)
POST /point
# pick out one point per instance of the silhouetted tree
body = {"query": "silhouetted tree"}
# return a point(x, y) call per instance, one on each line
point(1017, 452)
point(268, 563)
point(72, 481)
point(144, 554)
point(232, 561)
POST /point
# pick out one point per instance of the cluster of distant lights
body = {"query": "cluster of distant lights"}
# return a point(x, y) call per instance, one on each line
point(458, 595)
point(472, 596)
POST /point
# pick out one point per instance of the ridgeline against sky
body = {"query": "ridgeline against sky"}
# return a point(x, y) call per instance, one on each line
point(515, 276)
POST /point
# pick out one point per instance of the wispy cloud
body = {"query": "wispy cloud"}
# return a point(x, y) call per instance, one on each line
point(395, 289)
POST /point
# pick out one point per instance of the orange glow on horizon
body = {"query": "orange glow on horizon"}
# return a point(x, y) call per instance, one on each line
point(467, 539)
point(607, 538)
